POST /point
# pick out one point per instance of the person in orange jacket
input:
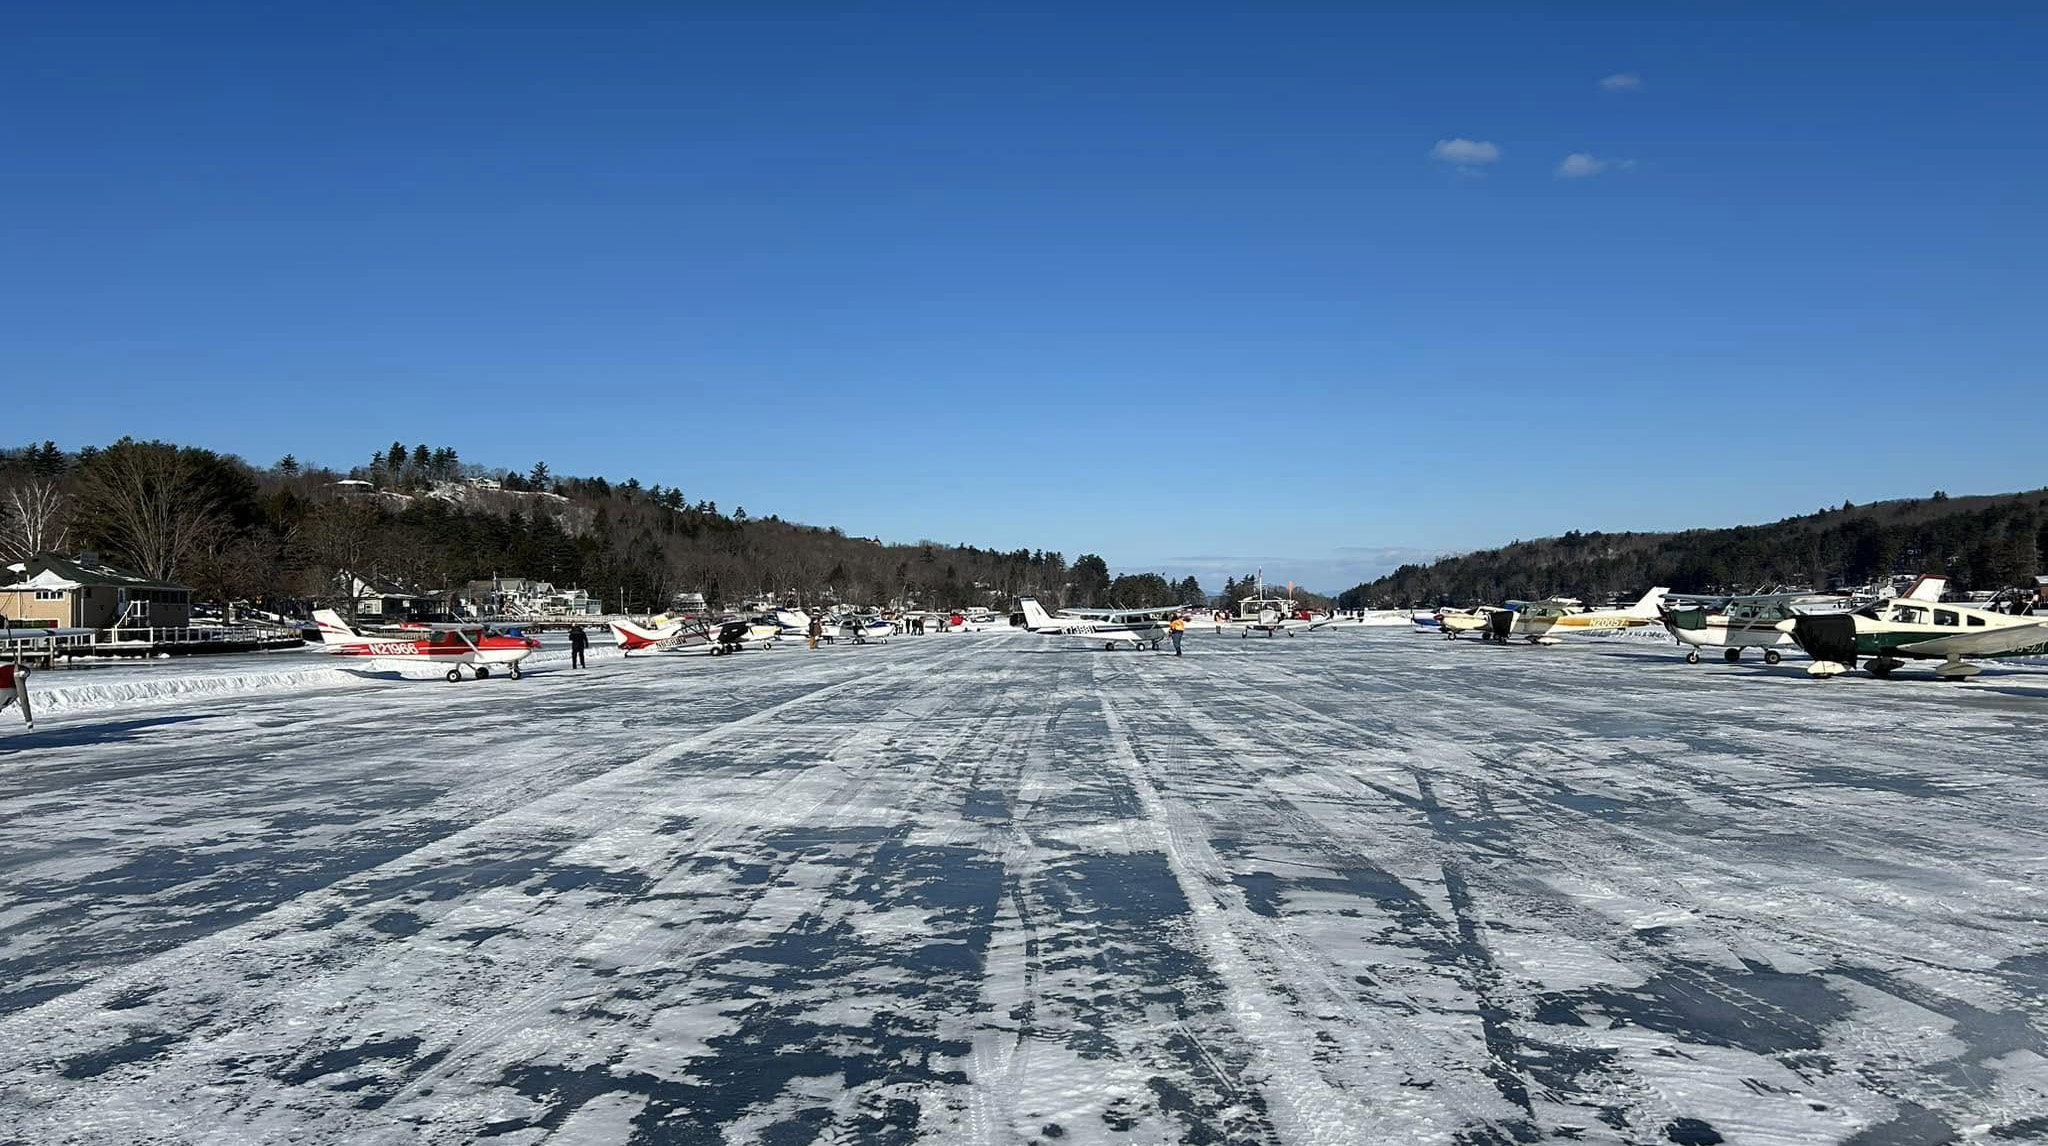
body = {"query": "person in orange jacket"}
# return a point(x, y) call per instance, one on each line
point(1177, 626)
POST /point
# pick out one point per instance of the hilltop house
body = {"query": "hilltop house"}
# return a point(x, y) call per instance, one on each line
point(49, 590)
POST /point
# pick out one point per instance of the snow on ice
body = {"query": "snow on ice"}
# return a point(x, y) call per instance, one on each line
point(1343, 888)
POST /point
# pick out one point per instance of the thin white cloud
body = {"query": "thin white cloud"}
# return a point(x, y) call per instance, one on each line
point(1465, 152)
point(1580, 165)
point(1622, 82)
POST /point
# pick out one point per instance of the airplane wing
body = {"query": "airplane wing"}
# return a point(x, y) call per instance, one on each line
point(1156, 611)
point(1983, 642)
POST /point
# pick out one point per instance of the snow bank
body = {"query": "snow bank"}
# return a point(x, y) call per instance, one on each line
point(60, 691)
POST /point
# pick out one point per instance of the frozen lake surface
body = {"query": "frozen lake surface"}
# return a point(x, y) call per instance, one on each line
point(1360, 887)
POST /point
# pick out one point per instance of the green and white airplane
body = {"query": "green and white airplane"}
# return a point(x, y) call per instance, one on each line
point(1918, 626)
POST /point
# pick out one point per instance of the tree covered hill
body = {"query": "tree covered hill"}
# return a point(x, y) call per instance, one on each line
point(420, 517)
point(1985, 542)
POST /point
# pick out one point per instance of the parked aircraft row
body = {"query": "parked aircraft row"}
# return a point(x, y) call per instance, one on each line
point(1835, 630)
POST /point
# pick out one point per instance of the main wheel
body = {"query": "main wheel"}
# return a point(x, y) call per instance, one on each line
point(1732, 655)
point(454, 675)
point(1772, 656)
point(1880, 671)
point(1109, 646)
point(1692, 656)
point(482, 672)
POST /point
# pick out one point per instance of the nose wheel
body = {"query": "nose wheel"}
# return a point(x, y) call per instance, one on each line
point(1692, 656)
point(1772, 656)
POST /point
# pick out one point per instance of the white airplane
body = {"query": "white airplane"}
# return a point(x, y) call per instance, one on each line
point(1549, 622)
point(1134, 627)
point(794, 622)
point(859, 628)
point(459, 646)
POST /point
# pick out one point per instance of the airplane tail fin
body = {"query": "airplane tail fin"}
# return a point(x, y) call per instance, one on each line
point(334, 630)
point(1035, 616)
point(630, 636)
point(1647, 607)
point(1928, 588)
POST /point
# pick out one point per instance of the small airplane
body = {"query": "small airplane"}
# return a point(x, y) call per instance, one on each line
point(1739, 621)
point(662, 633)
point(668, 634)
point(14, 687)
point(475, 647)
point(1918, 626)
point(1134, 627)
point(1454, 622)
point(1259, 613)
point(861, 629)
point(1549, 622)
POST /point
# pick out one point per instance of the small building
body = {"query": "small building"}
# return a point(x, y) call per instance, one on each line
point(2041, 591)
point(52, 591)
point(691, 603)
point(378, 599)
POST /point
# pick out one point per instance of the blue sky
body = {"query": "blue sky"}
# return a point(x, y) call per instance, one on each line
point(1194, 287)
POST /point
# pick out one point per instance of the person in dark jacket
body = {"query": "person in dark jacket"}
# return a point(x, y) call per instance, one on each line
point(578, 641)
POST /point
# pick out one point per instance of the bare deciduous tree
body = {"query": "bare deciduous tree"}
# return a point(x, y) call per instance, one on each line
point(32, 518)
point(342, 537)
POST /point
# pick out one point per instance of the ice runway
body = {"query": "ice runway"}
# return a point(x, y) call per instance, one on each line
point(1358, 887)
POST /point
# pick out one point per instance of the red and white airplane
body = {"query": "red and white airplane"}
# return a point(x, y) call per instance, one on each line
point(458, 646)
point(663, 633)
point(13, 687)
point(682, 634)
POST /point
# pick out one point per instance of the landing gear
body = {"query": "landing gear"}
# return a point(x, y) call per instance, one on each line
point(1692, 656)
point(514, 670)
point(1881, 667)
point(454, 675)
point(1155, 644)
point(482, 673)
point(1109, 646)
point(1732, 655)
point(1772, 656)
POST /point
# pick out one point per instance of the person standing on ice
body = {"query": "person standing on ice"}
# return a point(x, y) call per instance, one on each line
point(1177, 626)
point(817, 630)
point(578, 641)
